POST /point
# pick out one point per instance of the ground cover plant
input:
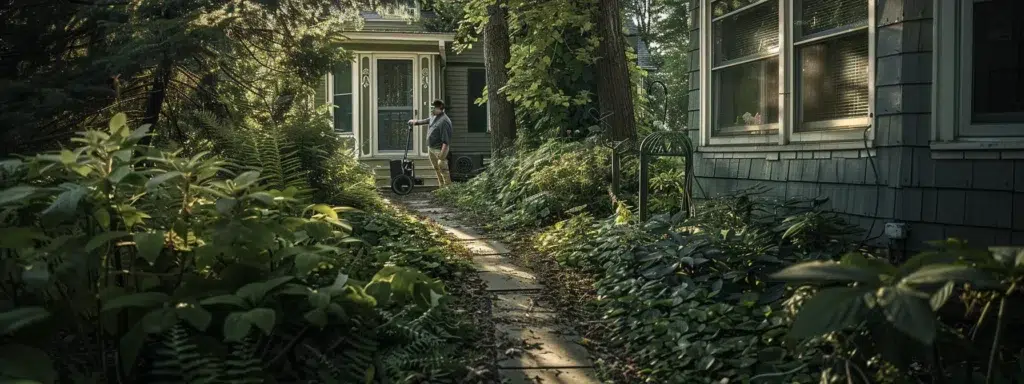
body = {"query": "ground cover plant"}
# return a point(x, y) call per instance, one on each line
point(125, 263)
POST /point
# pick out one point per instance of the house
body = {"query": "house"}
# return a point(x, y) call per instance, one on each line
point(898, 111)
point(399, 67)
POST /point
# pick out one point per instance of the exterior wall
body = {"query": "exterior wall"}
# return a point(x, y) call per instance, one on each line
point(972, 196)
point(457, 99)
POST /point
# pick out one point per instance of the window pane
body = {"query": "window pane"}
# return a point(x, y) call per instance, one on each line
point(834, 78)
point(750, 32)
point(998, 78)
point(721, 7)
point(822, 15)
point(343, 97)
point(477, 113)
point(747, 94)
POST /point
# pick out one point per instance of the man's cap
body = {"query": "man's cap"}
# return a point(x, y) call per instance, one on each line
point(438, 103)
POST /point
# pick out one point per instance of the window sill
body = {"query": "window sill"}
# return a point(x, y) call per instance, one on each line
point(968, 150)
point(793, 147)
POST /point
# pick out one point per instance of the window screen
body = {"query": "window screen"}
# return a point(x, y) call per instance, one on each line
point(750, 32)
point(343, 97)
point(721, 7)
point(823, 15)
point(998, 62)
point(477, 114)
point(834, 78)
point(747, 94)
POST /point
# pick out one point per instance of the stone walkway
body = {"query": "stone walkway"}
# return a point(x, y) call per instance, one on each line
point(543, 351)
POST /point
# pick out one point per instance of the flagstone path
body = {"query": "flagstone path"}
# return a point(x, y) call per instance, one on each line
point(545, 352)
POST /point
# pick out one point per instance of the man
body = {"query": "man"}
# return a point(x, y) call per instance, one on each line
point(439, 136)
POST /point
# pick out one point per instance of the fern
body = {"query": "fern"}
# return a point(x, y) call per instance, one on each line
point(242, 366)
point(177, 359)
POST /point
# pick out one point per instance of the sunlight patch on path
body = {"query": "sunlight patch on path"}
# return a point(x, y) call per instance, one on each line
point(542, 351)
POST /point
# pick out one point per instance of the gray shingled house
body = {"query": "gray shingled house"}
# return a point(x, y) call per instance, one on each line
point(898, 111)
point(399, 66)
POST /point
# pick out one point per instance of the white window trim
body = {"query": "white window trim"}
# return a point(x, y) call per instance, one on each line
point(355, 100)
point(951, 112)
point(785, 137)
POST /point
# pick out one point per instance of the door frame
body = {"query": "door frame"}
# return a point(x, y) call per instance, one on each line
point(419, 75)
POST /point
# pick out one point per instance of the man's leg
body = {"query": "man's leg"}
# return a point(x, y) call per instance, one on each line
point(443, 169)
point(435, 162)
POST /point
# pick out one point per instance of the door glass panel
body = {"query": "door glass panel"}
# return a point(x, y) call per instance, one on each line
point(394, 103)
point(998, 62)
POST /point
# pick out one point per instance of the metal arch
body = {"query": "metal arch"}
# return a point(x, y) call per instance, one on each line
point(667, 143)
point(664, 144)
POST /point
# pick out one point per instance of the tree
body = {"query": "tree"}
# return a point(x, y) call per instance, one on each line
point(614, 88)
point(500, 111)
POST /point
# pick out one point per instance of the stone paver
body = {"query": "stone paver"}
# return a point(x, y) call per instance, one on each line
point(543, 347)
point(498, 282)
point(487, 247)
point(541, 352)
point(550, 376)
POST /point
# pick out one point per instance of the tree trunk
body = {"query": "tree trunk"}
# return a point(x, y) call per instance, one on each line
point(157, 94)
point(615, 91)
point(500, 111)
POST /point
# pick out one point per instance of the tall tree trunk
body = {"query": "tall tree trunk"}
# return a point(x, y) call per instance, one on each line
point(500, 111)
point(613, 83)
point(157, 94)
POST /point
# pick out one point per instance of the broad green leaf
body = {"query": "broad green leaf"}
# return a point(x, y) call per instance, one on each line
point(102, 217)
point(262, 318)
point(20, 237)
point(26, 363)
point(37, 274)
point(67, 157)
point(124, 155)
point(18, 318)
point(246, 179)
point(118, 121)
point(225, 205)
point(130, 345)
point(150, 244)
point(255, 292)
point(1010, 256)
point(141, 300)
point(317, 317)
point(159, 320)
point(15, 194)
point(236, 327)
point(119, 173)
point(305, 262)
point(325, 210)
point(67, 201)
point(879, 266)
point(102, 239)
point(232, 300)
point(935, 274)
point(826, 272)
point(908, 313)
point(830, 310)
point(194, 315)
point(940, 297)
point(157, 180)
point(139, 133)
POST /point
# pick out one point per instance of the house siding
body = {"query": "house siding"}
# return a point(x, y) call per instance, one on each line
point(463, 141)
point(974, 197)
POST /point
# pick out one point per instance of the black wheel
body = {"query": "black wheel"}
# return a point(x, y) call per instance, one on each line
point(402, 184)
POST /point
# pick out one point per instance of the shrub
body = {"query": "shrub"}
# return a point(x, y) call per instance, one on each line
point(130, 264)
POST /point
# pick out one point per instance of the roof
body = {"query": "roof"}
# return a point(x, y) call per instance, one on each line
point(643, 54)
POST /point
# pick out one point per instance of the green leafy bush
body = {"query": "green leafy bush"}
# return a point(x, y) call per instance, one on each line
point(124, 263)
point(689, 300)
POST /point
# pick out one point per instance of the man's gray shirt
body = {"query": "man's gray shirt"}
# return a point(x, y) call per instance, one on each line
point(439, 131)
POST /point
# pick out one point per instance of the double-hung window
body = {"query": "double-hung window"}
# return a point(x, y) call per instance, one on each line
point(785, 69)
point(979, 74)
point(341, 97)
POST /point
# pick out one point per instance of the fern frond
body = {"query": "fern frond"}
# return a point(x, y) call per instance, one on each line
point(242, 366)
point(177, 359)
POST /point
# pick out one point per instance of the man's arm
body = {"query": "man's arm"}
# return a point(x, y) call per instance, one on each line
point(419, 122)
point(446, 138)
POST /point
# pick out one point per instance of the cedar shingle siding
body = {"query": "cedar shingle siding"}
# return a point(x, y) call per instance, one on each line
point(975, 195)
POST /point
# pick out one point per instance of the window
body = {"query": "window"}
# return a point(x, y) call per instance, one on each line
point(979, 70)
point(831, 48)
point(477, 114)
point(342, 97)
point(792, 68)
